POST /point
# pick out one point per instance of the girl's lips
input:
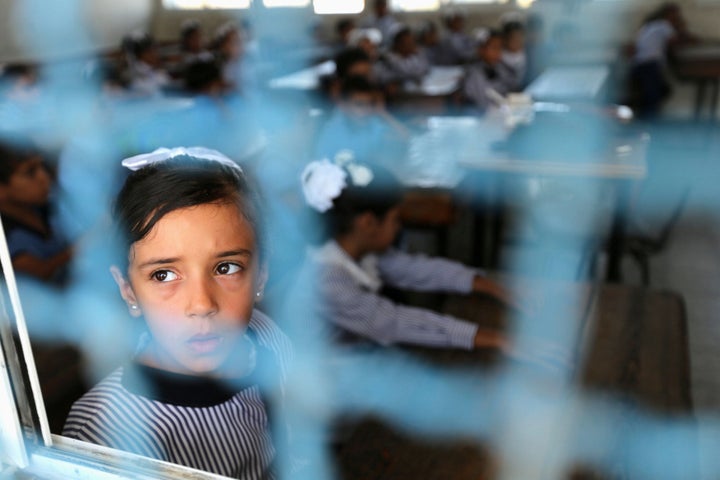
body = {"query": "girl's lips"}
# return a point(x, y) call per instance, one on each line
point(204, 343)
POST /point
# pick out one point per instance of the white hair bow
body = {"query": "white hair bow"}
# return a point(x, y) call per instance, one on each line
point(323, 181)
point(163, 154)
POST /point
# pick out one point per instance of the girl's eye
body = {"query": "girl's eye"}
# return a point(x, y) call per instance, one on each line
point(228, 268)
point(164, 276)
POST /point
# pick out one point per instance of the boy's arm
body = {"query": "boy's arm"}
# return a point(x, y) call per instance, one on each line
point(423, 273)
point(42, 269)
point(370, 315)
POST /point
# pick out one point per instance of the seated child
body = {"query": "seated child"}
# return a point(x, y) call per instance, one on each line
point(147, 77)
point(360, 208)
point(513, 54)
point(457, 47)
point(489, 77)
point(360, 124)
point(192, 269)
point(37, 247)
point(405, 62)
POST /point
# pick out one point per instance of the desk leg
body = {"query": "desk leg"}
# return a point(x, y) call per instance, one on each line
point(699, 99)
point(714, 87)
point(617, 233)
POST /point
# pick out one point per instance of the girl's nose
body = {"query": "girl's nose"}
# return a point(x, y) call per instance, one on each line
point(201, 300)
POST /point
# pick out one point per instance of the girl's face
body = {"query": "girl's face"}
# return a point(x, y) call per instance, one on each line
point(194, 277)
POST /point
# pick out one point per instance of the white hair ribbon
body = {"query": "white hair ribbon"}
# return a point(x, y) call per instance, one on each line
point(163, 154)
point(322, 182)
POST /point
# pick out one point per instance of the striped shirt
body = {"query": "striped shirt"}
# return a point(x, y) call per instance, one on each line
point(351, 300)
point(198, 422)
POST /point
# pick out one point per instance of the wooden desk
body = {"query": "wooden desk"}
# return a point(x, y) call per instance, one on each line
point(622, 162)
point(629, 344)
point(700, 64)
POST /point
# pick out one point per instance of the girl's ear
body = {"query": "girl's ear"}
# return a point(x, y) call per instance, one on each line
point(126, 291)
point(260, 284)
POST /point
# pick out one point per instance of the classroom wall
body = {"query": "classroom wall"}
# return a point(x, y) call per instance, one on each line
point(78, 26)
point(47, 30)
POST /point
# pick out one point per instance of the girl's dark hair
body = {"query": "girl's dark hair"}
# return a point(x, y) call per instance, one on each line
point(492, 34)
point(201, 74)
point(347, 58)
point(383, 193)
point(158, 189)
point(511, 27)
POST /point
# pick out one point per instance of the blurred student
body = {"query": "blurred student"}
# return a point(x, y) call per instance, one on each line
point(359, 209)
point(513, 54)
point(146, 75)
point(360, 124)
point(458, 47)
point(37, 246)
point(382, 20)
point(405, 62)
point(663, 30)
point(343, 27)
point(192, 42)
point(227, 46)
point(488, 78)
point(428, 40)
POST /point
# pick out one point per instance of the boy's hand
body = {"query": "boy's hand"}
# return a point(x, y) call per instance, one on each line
point(490, 339)
point(488, 287)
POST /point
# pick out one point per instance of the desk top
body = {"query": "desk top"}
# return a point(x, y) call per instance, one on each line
point(569, 83)
point(451, 146)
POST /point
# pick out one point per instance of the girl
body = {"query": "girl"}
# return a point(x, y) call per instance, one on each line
point(192, 269)
point(360, 208)
point(489, 74)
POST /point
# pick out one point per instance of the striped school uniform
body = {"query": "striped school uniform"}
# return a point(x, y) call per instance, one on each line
point(216, 426)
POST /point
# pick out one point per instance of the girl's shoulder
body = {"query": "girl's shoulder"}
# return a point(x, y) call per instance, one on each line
point(270, 336)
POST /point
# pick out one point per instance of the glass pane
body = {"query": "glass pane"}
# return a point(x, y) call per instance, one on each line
point(286, 3)
point(338, 6)
point(414, 5)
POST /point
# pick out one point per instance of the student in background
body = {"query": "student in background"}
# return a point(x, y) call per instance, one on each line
point(488, 77)
point(405, 62)
point(428, 40)
point(37, 246)
point(457, 46)
point(147, 77)
point(513, 54)
point(192, 43)
point(227, 45)
point(662, 30)
point(190, 268)
point(343, 27)
point(359, 208)
point(382, 20)
point(360, 124)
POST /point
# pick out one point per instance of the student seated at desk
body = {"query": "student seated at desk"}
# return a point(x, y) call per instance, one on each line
point(663, 30)
point(147, 77)
point(37, 247)
point(382, 20)
point(513, 54)
point(404, 62)
point(488, 74)
point(457, 46)
point(428, 40)
point(359, 208)
point(361, 124)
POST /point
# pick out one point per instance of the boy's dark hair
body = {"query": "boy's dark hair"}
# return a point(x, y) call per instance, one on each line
point(492, 34)
point(347, 58)
point(201, 73)
point(343, 24)
point(12, 155)
point(137, 43)
point(383, 193)
point(399, 35)
point(356, 84)
point(188, 29)
point(511, 27)
point(184, 181)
